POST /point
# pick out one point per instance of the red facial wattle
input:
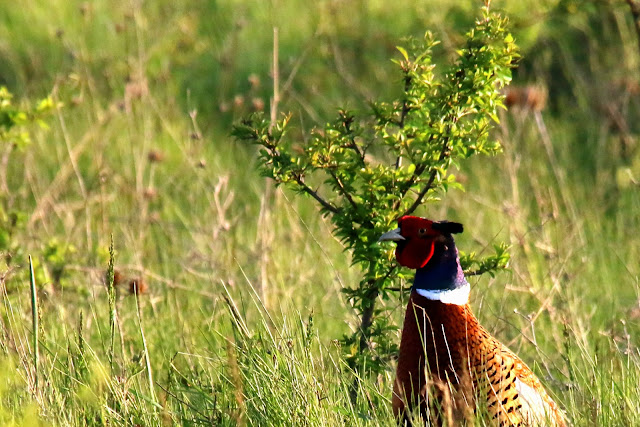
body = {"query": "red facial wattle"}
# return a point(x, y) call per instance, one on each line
point(416, 253)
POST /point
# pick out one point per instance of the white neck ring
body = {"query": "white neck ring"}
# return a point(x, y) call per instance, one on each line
point(458, 296)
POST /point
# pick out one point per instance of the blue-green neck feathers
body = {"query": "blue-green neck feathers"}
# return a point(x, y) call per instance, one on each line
point(443, 271)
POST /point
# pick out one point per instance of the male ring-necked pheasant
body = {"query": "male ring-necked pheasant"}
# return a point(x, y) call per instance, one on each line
point(444, 352)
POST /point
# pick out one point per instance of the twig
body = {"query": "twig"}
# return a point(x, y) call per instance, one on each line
point(399, 289)
point(343, 190)
point(419, 168)
point(347, 120)
point(416, 173)
point(478, 272)
point(328, 206)
point(365, 325)
point(405, 101)
point(367, 314)
point(298, 178)
point(404, 111)
point(432, 177)
point(422, 193)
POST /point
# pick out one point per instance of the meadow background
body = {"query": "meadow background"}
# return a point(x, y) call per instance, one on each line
point(240, 306)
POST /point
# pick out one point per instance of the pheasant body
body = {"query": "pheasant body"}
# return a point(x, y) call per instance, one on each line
point(445, 342)
point(445, 354)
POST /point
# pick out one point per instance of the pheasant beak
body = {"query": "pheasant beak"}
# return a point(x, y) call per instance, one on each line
point(393, 235)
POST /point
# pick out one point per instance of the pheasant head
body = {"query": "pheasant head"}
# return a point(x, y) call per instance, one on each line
point(428, 247)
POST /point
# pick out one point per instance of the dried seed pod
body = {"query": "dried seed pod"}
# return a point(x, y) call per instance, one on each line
point(528, 97)
point(155, 156)
point(138, 286)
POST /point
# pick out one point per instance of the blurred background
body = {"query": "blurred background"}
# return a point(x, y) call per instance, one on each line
point(138, 148)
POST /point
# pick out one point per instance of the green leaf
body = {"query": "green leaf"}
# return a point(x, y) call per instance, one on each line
point(404, 53)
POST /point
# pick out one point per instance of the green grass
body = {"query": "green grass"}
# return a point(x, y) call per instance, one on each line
point(243, 307)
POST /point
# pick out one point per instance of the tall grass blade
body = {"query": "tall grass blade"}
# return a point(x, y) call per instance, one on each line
point(111, 295)
point(146, 352)
point(34, 321)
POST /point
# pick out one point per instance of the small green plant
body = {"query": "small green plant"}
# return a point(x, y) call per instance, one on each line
point(367, 170)
point(57, 256)
point(13, 119)
point(15, 122)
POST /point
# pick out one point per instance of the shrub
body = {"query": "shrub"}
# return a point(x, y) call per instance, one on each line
point(366, 170)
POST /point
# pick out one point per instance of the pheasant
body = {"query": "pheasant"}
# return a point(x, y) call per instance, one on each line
point(445, 354)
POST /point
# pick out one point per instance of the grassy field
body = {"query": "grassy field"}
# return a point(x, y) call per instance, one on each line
point(240, 306)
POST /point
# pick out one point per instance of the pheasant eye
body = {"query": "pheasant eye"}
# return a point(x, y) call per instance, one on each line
point(422, 231)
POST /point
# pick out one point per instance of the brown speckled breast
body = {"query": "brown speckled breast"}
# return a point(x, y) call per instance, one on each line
point(447, 360)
